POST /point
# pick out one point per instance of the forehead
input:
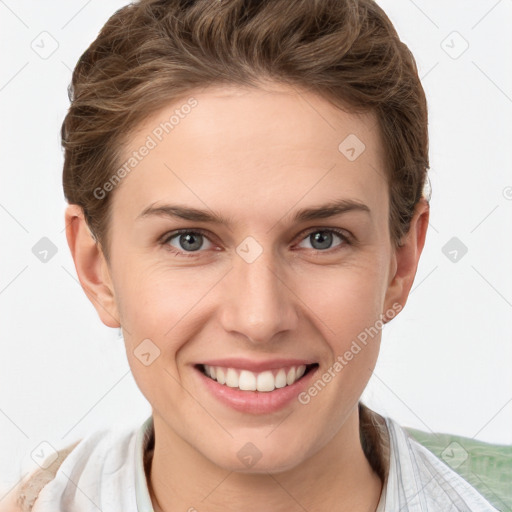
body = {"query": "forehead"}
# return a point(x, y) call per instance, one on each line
point(231, 147)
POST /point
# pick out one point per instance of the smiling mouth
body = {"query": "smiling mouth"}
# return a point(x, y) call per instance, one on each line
point(265, 381)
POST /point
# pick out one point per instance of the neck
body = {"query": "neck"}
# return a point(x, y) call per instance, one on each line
point(338, 477)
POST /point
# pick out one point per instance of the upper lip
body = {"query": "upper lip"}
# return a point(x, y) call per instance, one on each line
point(256, 366)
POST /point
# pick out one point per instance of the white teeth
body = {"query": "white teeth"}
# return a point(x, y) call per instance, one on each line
point(281, 379)
point(266, 381)
point(249, 381)
point(231, 378)
point(220, 376)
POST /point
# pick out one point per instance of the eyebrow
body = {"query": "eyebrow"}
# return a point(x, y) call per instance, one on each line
point(306, 214)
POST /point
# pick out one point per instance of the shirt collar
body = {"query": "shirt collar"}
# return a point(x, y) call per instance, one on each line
point(144, 445)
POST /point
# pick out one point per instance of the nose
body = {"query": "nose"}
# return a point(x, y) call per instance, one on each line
point(258, 300)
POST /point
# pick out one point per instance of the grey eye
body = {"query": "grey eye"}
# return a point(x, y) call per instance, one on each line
point(189, 241)
point(322, 239)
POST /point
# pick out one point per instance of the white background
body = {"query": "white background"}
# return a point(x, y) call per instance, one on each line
point(445, 361)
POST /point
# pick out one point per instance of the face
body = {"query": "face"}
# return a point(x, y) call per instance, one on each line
point(263, 288)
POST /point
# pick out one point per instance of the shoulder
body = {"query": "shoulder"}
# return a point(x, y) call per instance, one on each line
point(23, 496)
point(89, 460)
point(423, 479)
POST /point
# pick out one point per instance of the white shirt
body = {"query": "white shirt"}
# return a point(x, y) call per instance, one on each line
point(105, 471)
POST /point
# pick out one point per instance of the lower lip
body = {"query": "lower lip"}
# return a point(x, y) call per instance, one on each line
point(256, 402)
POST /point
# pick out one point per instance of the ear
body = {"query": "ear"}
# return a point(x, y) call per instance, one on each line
point(91, 266)
point(406, 258)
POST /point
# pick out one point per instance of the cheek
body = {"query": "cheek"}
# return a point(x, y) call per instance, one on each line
point(346, 300)
point(158, 303)
point(153, 313)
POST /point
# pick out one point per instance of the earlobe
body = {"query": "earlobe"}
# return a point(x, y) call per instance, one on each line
point(91, 266)
point(407, 257)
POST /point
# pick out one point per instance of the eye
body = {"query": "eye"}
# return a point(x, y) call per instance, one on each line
point(321, 239)
point(186, 241)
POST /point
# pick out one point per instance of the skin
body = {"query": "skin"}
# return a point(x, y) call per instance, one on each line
point(256, 156)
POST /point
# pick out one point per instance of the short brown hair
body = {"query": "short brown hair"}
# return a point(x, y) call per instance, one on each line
point(152, 52)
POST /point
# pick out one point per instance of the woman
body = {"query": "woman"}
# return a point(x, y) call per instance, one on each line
point(245, 202)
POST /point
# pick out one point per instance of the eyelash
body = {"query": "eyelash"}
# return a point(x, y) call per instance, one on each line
point(167, 237)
